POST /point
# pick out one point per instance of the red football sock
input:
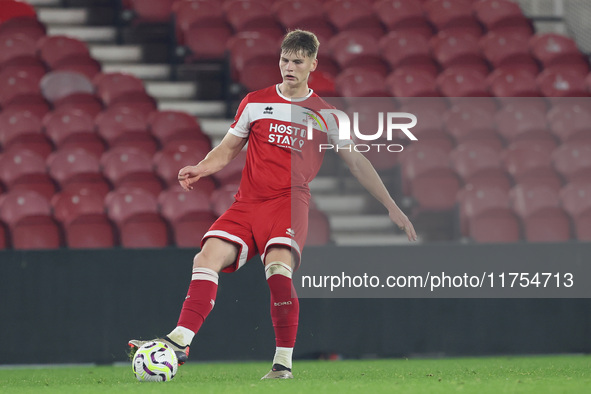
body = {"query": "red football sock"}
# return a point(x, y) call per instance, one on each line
point(285, 307)
point(200, 299)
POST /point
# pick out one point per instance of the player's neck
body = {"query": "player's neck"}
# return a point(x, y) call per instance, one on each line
point(294, 92)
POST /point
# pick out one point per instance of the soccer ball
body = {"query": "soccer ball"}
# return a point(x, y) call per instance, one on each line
point(155, 362)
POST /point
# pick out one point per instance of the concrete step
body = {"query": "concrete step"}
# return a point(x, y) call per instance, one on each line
point(202, 109)
point(63, 16)
point(116, 53)
point(361, 223)
point(172, 90)
point(142, 71)
point(215, 127)
point(371, 239)
point(337, 204)
point(85, 33)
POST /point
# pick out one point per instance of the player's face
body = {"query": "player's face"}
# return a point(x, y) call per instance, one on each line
point(295, 68)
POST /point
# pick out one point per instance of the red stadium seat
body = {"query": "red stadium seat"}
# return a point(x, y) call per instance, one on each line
point(549, 224)
point(260, 73)
point(17, 47)
point(125, 129)
point(576, 200)
point(83, 64)
point(353, 16)
point(475, 200)
point(526, 199)
point(82, 215)
point(322, 83)
point(188, 142)
point(403, 16)
point(358, 82)
point(23, 130)
point(16, 9)
point(573, 161)
point(458, 52)
point(232, 173)
point(113, 86)
point(571, 122)
point(471, 122)
point(530, 164)
point(476, 160)
point(73, 128)
point(244, 15)
point(189, 13)
point(513, 82)
point(165, 125)
point(207, 42)
point(302, 14)
point(502, 15)
point(57, 85)
point(464, 83)
point(29, 27)
point(352, 49)
point(247, 46)
point(25, 170)
point(53, 49)
point(188, 214)
point(452, 14)
point(152, 11)
point(28, 216)
point(168, 163)
point(505, 50)
point(318, 228)
point(139, 102)
point(131, 168)
point(222, 198)
point(494, 226)
point(403, 49)
point(74, 169)
point(412, 83)
point(554, 50)
point(139, 223)
point(518, 123)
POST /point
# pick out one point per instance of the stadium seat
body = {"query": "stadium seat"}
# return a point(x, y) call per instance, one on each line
point(28, 217)
point(126, 129)
point(4, 244)
point(23, 130)
point(462, 83)
point(526, 199)
point(75, 169)
point(403, 16)
point(113, 86)
point(562, 83)
point(573, 161)
point(502, 16)
point(136, 215)
point(231, 173)
point(165, 125)
point(318, 228)
point(471, 122)
point(17, 48)
point(84, 102)
point(352, 49)
point(530, 164)
point(518, 123)
point(453, 14)
point(188, 143)
point(496, 225)
point(222, 198)
point(188, 214)
point(302, 14)
point(411, 82)
point(576, 200)
point(83, 218)
point(322, 83)
point(549, 224)
point(357, 82)
point(73, 128)
point(353, 16)
point(57, 85)
point(555, 50)
point(571, 121)
point(207, 42)
point(189, 14)
point(25, 170)
point(152, 11)
point(513, 82)
point(403, 49)
point(248, 46)
point(457, 52)
point(505, 50)
point(474, 200)
point(84, 65)
point(260, 73)
point(168, 163)
point(53, 49)
point(130, 168)
point(477, 160)
point(26, 26)
point(244, 15)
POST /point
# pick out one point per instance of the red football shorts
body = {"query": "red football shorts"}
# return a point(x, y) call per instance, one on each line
point(255, 226)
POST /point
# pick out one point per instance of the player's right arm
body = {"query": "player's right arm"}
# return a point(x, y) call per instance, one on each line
point(215, 160)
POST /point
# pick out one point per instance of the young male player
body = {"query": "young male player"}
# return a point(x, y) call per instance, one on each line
point(270, 214)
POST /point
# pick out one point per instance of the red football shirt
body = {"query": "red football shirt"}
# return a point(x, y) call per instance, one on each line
point(281, 159)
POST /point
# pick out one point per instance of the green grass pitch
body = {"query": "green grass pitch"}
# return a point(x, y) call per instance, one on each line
point(543, 374)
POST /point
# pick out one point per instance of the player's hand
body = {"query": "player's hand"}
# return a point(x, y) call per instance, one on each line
point(189, 175)
point(404, 224)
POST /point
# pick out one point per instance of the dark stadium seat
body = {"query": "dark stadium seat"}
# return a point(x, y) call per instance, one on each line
point(302, 14)
point(4, 244)
point(167, 163)
point(23, 130)
point(494, 226)
point(75, 169)
point(152, 11)
point(518, 123)
point(130, 168)
point(403, 16)
point(53, 49)
point(475, 200)
point(403, 49)
point(83, 218)
point(138, 221)
point(318, 228)
point(25, 170)
point(571, 121)
point(113, 86)
point(458, 52)
point(513, 82)
point(57, 85)
point(576, 200)
point(188, 214)
point(573, 161)
point(462, 83)
point(530, 164)
point(502, 16)
point(554, 50)
point(73, 128)
point(412, 82)
point(165, 125)
point(505, 50)
point(360, 82)
point(353, 16)
point(126, 129)
point(352, 49)
point(452, 14)
point(28, 217)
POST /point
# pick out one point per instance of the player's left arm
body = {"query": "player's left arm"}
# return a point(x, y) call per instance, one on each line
point(362, 169)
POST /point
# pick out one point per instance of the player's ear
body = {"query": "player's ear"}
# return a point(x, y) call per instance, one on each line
point(314, 64)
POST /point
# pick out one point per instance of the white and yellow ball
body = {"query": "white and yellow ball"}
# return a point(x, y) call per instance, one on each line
point(155, 362)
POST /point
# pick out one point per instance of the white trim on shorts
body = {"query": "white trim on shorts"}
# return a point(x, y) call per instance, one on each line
point(282, 241)
point(227, 236)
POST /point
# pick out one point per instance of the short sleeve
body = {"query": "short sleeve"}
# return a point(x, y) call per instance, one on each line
point(241, 125)
point(333, 133)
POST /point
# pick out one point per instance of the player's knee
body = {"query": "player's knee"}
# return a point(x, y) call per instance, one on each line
point(278, 268)
point(204, 259)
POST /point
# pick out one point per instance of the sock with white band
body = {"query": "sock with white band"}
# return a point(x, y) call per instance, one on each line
point(283, 356)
